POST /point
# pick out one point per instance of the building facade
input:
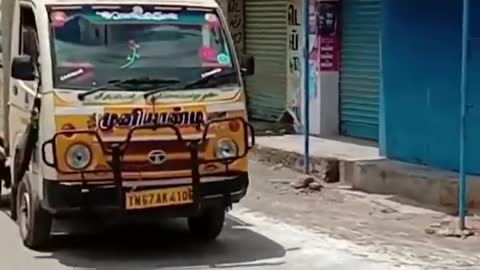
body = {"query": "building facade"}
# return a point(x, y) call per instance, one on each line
point(421, 70)
point(359, 85)
point(265, 38)
point(383, 70)
point(343, 56)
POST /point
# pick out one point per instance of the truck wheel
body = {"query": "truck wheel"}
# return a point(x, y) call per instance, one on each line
point(208, 225)
point(34, 222)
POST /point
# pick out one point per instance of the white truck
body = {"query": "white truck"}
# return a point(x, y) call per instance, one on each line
point(132, 107)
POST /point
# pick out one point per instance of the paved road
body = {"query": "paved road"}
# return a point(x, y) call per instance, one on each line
point(251, 240)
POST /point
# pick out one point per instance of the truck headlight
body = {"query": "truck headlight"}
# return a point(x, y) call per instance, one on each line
point(78, 156)
point(226, 148)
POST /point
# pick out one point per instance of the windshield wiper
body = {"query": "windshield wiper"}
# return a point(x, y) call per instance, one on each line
point(186, 85)
point(139, 80)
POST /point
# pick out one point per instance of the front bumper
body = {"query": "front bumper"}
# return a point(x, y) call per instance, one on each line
point(62, 199)
point(65, 200)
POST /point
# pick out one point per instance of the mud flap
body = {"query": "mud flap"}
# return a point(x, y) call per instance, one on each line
point(4, 169)
point(5, 175)
point(24, 151)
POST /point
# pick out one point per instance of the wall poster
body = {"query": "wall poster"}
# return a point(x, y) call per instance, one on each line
point(329, 35)
point(323, 60)
point(328, 14)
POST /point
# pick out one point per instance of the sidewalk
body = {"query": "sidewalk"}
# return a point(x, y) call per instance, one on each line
point(396, 231)
point(357, 164)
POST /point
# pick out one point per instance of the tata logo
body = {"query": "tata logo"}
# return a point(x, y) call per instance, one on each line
point(157, 157)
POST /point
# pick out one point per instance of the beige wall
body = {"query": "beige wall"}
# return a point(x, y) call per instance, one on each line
point(223, 5)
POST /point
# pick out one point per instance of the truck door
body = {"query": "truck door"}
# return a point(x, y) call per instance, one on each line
point(24, 38)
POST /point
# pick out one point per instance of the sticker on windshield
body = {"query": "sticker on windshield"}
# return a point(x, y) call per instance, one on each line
point(224, 59)
point(58, 18)
point(212, 20)
point(133, 55)
point(72, 74)
point(207, 53)
point(137, 14)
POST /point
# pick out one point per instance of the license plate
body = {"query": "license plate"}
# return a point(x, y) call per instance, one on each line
point(159, 197)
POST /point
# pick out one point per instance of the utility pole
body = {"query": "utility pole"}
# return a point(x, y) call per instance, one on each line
point(306, 85)
point(462, 181)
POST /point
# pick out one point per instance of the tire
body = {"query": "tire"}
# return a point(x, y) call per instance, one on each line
point(208, 226)
point(33, 221)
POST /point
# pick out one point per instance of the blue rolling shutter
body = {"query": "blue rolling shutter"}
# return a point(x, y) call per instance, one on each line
point(360, 68)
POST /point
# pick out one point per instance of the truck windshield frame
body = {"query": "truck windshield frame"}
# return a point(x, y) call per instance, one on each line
point(92, 45)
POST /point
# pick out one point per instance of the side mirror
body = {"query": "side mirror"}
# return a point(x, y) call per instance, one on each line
point(22, 68)
point(247, 65)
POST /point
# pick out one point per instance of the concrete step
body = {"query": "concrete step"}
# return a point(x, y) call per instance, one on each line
point(358, 165)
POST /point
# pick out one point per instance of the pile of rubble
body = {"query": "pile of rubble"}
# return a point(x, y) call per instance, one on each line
point(307, 183)
point(449, 228)
point(304, 184)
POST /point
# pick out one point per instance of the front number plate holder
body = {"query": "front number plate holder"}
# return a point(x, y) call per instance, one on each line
point(153, 198)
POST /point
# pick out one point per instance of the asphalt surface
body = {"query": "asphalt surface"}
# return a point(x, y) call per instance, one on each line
point(250, 240)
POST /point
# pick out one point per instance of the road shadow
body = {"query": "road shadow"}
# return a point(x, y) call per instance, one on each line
point(162, 245)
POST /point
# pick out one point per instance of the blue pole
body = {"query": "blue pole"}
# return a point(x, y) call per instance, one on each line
point(306, 79)
point(462, 183)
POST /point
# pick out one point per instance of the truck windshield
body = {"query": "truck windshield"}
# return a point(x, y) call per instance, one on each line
point(95, 45)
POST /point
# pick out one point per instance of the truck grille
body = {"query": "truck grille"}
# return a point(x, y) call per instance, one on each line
point(143, 148)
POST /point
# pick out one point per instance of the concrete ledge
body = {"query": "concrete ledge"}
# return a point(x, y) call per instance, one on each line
point(420, 183)
point(331, 160)
point(360, 167)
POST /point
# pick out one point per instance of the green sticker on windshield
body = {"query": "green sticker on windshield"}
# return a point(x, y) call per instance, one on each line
point(133, 55)
point(137, 13)
point(223, 59)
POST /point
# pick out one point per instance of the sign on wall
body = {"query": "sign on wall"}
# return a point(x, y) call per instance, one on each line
point(234, 11)
point(324, 67)
point(235, 22)
point(323, 60)
point(329, 34)
point(294, 59)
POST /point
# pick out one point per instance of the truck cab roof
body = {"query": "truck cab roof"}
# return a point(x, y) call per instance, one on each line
point(191, 3)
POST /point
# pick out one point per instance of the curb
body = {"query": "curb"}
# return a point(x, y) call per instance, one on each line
point(419, 183)
point(380, 176)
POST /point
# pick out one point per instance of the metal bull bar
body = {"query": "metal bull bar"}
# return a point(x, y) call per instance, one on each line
point(117, 150)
